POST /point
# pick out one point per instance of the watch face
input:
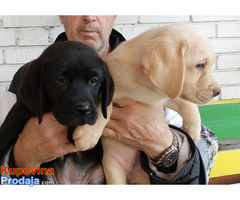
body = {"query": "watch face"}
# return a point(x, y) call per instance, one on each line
point(170, 159)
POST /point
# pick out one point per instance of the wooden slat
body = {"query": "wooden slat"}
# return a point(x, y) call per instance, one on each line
point(222, 119)
point(227, 163)
point(229, 144)
point(224, 101)
point(231, 179)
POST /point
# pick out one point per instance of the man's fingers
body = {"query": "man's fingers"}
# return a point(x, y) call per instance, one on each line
point(115, 113)
point(69, 148)
point(109, 133)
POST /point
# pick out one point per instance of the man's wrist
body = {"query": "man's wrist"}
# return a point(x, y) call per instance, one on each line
point(161, 143)
point(167, 161)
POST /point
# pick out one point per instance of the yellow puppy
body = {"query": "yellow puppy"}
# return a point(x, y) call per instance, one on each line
point(170, 65)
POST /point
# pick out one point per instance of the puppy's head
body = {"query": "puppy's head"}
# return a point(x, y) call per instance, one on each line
point(68, 79)
point(178, 59)
point(199, 84)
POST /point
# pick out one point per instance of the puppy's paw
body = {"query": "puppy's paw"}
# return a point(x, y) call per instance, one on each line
point(83, 144)
point(86, 137)
point(196, 137)
point(193, 132)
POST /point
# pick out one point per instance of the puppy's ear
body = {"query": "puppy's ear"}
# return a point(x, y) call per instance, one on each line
point(106, 89)
point(164, 64)
point(32, 90)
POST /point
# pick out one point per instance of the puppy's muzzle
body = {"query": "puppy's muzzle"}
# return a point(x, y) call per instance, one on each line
point(216, 92)
point(86, 113)
point(83, 109)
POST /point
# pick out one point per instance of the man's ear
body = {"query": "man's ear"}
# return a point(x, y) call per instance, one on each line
point(32, 89)
point(115, 17)
point(106, 90)
point(61, 17)
point(164, 65)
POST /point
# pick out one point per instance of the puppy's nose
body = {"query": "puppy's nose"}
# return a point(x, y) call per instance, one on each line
point(216, 91)
point(83, 109)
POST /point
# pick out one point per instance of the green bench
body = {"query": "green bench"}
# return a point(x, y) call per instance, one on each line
point(223, 118)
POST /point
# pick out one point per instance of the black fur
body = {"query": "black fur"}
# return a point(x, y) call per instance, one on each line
point(67, 79)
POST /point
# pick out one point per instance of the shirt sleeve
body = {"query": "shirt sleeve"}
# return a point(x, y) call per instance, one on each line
point(172, 117)
point(190, 168)
point(7, 162)
point(6, 103)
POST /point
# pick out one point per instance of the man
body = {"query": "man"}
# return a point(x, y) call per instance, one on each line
point(140, 126)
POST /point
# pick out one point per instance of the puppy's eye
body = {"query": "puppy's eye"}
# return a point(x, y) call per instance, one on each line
point(62, 79)
point(200, 66)
point(93, 81)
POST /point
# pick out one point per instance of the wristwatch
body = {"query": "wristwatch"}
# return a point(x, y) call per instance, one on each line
point(169, 157)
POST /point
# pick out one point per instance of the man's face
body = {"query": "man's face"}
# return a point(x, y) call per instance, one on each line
point(89, 29)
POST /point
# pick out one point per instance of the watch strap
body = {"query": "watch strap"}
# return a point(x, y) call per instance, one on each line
point(167, 162)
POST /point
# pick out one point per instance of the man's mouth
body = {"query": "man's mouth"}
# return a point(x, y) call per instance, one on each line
point(88, 32)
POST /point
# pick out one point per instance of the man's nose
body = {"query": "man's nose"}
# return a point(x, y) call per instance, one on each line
point(89, 18)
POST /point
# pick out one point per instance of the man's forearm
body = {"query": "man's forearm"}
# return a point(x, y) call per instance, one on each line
point(190, 169)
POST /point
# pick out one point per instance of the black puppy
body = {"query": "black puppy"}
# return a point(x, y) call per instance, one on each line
point(67, 79)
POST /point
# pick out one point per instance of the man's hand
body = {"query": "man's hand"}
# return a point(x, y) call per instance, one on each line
point(141, 126)
point(39, 143)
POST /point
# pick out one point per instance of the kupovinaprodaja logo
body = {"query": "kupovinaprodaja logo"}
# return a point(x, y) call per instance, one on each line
point(20, 181)
point(15, 176)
